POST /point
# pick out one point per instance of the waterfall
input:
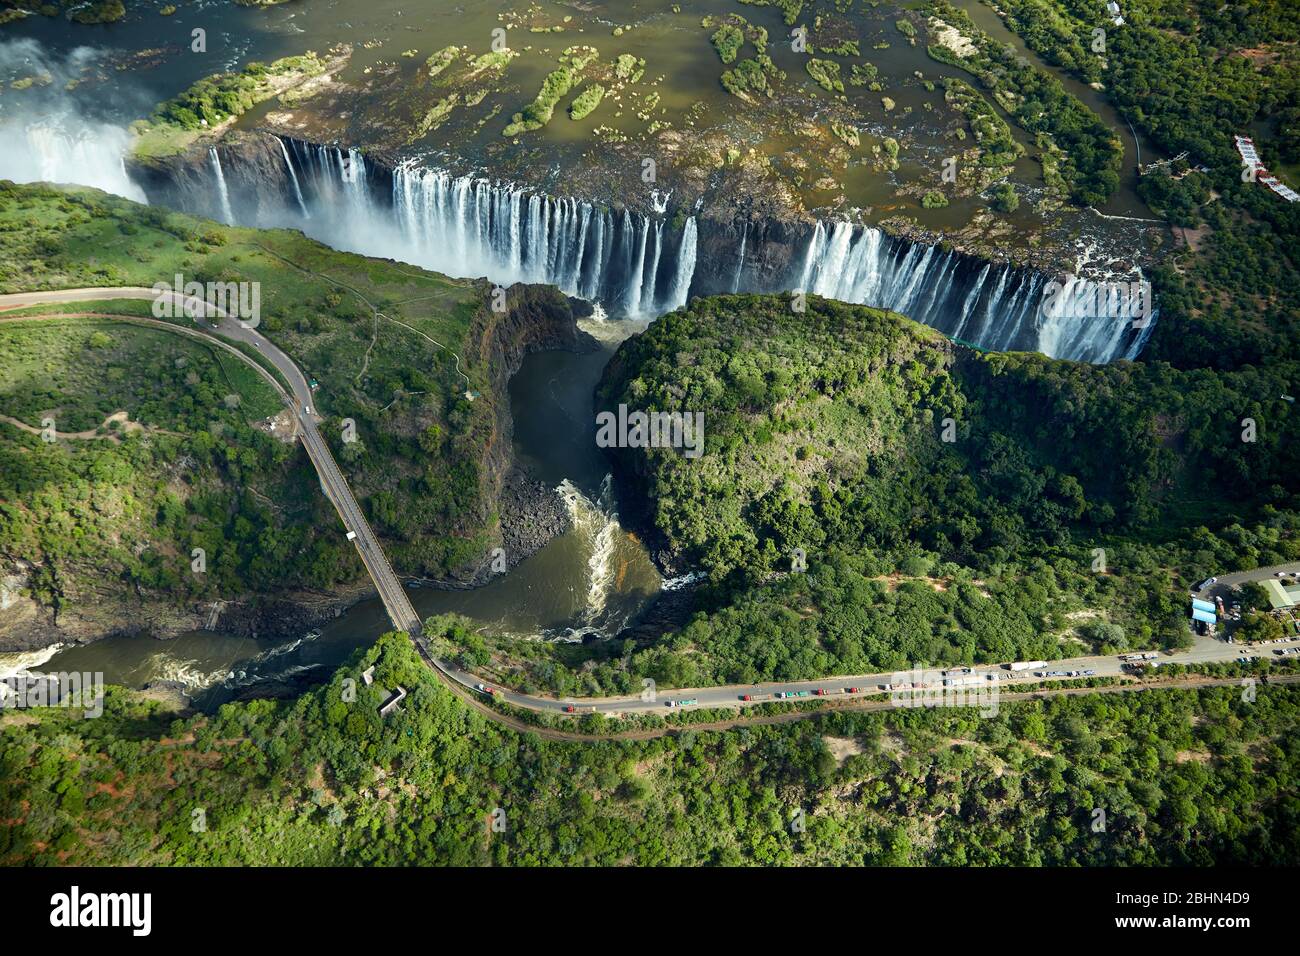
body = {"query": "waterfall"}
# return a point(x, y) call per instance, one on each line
point(227, 215)
point(685, 264)
point(67, 149)
point(464, 226)
point(992, 306)
point(740, 260)
point(635, 264)
point(597, 527)
point(293, 176)
point(641, 265)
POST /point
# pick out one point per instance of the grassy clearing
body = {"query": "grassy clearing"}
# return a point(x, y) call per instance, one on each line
point(380, 337)
point(80, 371)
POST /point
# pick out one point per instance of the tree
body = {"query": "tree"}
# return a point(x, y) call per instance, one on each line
point(1260, 626)
point(1005, 198)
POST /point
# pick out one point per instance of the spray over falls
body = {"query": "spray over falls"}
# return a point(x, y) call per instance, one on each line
point(639, 265)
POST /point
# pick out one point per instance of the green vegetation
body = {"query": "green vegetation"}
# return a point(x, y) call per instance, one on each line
point(1187, 777)
point(101, 11)
point(555, 87)
point(934, 200)
point(826, 73)
point(439, 61)
point(1005, 198)
point(790, 9)
point(419, 467)
point(727, 41)
point(997, 146)
point(629, 67)
point(449, 79)
point(843, 48)
point(96, 11)
point(846, 134)
point(1190, 75)
point(103, 517)
point(217, 99)
point(586, 101)
point(749, 76)
point(1089, 153)
point(824, 433)
point(862, 74)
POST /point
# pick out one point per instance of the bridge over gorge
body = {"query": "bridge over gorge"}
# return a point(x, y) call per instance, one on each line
point(298, 396)
point(861, 692)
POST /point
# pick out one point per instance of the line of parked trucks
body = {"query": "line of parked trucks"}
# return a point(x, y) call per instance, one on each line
point(952, 677)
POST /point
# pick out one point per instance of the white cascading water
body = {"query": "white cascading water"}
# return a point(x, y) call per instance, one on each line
point(640, 266)
point(293, 176)
point(223, 194)
point(597, 524)
point(21, 664)
point(63, 149)
point(622, 258)
point(740, 259)
point(997, 307)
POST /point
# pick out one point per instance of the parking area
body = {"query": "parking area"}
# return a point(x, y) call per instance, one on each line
point(1225, 592)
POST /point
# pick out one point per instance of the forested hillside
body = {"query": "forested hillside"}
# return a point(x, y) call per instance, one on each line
point(1183, 777)
point(157, 456)
point(948, 503)
point(96, 521)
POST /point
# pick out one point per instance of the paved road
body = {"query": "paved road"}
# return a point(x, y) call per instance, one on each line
point(1224, 583)
point(216, 323)
point(838, 690)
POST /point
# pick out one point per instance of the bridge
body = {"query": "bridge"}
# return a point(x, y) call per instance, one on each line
point(298, 397)
point(861, 692)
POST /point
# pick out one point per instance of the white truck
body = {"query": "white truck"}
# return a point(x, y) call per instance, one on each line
point(1025, 665)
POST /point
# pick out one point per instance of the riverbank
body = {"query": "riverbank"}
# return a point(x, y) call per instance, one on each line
point(150, 484)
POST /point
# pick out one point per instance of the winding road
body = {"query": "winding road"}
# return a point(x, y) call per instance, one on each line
point(861, 692)
point(220, 326)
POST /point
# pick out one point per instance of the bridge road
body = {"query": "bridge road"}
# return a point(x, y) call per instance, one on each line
point(396, 602)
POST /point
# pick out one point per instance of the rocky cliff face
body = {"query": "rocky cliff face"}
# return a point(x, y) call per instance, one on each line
point(743, 244)
point(739, 253)
point(536, 318)
point(251, 163)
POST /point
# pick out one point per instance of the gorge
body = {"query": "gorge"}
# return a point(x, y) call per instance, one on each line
point(635, 264)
